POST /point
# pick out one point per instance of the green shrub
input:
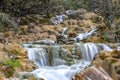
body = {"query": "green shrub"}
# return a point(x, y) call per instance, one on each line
point(13, 63)
point(6, 21)
point(70, 4)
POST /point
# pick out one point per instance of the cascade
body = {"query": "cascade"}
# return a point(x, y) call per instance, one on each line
point(105, 47)
point(83, 36)
point(89, 51)
point(51, 66)
point(38, 56)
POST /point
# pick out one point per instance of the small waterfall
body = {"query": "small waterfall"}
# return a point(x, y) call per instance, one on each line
point(83, 36)
point(53, 67)
point(63, 31)
point(89, 50)
point(38, 56)
point(105, 47)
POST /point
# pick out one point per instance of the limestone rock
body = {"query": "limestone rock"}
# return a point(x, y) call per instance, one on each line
point(93, 73)
point(1, 46)
point(109, 61)
point(16, 49)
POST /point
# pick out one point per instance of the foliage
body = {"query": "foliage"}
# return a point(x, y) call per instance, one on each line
point(104, 36)
point(10, 62)
point(109, 9)
point(23, 7)
point(26, 7)
point(70, 4)
point(6, 20)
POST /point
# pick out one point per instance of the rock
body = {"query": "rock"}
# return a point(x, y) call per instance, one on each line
point(8, 71)
point(93, 73)
point(94, 39)
point(89, 15)
point(1, 46)
point(3, 56)
point(26, 65)
point(109, 61)
point(16, 52)
point(9, 34)
point(1, 77)
point(24, 27)
point(16, 49)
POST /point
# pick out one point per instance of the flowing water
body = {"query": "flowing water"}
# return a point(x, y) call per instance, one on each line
point(61, 62)
point(89, 51)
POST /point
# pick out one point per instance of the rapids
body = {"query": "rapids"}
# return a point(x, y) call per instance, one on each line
point(56, 62)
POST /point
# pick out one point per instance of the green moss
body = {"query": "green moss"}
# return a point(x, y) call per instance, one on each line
point(14, 63)
point(104, 36)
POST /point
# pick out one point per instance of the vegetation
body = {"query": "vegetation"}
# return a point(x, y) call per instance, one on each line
point(23, 7)
point(109, 9)
point(6, 21)
point(13, 63)
point(16, 12)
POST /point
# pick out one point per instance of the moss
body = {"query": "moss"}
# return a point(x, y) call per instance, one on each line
point(13, 63)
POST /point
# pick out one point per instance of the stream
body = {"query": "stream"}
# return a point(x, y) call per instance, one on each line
point(60, 62)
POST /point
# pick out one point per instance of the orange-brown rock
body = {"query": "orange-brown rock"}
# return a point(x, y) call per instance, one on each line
point(89, 15)
point(93, 73)
point(16, 49)
point(26, 65)
point(110, 62)
point(9, 34)
point(1, 46)
point(94, 39)
point(3, 56)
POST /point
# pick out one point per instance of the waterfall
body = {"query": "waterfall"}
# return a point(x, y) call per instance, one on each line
point(63, 31)
point(54, 67)
point(83, 36)
point(38, 56)
point(105, 47)
point(89, 50)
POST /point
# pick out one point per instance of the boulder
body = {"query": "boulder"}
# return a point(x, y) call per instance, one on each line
point(109, 61)
point(93, 73)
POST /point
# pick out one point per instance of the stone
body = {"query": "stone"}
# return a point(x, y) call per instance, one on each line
point(16, 49)
point(9, 34)
point(1, 46)
point(93, 73)
point(89, 15)
point(110, 62)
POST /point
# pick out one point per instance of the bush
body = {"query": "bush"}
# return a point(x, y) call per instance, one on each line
point(70, 4)
point(23, 7)
point(108, 9)
point(6, 21)
point(13, 63)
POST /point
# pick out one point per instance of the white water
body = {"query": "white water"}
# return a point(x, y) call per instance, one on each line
point(105, 47)
point(83, 36)
point(89, 50)
point(59, 71)
point(38, 56)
